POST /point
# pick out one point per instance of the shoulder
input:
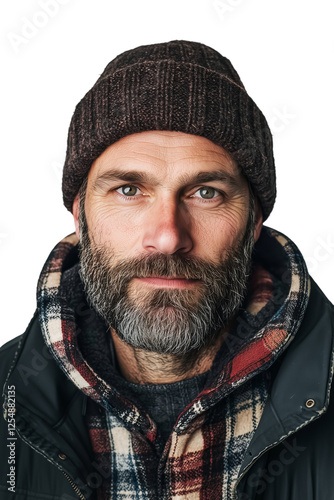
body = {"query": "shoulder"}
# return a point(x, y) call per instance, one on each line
point(9, 351)
point(318, 298)
point(14, 343)
point(319, 314)
point(7, 357)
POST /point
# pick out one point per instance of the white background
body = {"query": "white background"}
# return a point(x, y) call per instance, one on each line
point(283, 51)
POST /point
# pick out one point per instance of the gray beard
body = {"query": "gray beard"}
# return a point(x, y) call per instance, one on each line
point(165, 321)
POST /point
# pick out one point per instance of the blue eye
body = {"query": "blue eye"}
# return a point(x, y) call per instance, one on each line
point(128, 190)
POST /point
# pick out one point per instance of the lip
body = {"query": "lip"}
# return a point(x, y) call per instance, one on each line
point(169, 282)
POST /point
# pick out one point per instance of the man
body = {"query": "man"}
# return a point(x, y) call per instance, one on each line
point(179, 349)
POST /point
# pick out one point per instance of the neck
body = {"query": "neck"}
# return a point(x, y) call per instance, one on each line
point(144, 367)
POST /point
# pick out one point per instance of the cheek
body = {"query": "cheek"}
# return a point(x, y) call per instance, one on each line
point(218, 232)
point(113, 225)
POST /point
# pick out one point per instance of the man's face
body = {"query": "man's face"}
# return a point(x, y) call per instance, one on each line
point(166, 239)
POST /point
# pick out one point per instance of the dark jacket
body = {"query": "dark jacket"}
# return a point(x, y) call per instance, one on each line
point(290, 457)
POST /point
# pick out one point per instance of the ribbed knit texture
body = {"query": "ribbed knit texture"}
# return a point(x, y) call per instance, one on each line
point(180, 86)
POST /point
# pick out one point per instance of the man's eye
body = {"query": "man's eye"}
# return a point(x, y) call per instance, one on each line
point(128, 190)
point(207, 193)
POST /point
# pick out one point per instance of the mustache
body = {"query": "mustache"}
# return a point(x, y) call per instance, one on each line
point(162, 266)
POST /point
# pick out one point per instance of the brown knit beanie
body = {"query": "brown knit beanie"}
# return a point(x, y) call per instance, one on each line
point(181, 86)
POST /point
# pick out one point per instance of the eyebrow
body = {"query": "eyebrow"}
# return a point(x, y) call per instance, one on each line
point(137, 176)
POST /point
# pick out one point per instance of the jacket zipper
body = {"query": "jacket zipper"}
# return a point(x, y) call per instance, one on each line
point(74, 486)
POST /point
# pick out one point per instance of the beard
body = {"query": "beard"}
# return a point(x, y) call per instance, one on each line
point(165, 321)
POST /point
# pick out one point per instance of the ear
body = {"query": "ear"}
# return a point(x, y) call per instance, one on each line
point(258, 220)
point(75, 212)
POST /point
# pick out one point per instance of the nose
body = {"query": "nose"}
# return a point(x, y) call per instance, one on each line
point(167, 229)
